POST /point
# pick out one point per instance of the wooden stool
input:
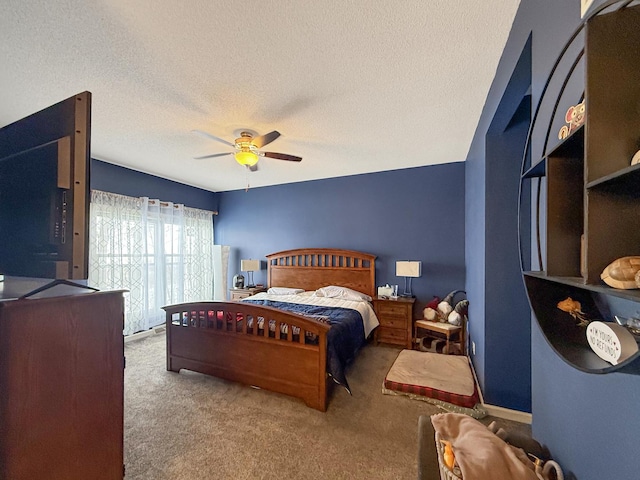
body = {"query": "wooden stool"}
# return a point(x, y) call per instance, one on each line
point(446, 329)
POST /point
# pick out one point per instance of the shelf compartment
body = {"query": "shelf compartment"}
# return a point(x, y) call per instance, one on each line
point(565, 214)
point(612, 230)
point(560, 330)
point(572, 145)
point(578, 282)
point(611, 91)
point(625, 181)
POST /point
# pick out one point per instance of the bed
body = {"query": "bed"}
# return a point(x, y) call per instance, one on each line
point(264, 346)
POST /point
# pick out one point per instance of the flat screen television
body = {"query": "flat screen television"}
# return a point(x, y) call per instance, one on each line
point(44, 192)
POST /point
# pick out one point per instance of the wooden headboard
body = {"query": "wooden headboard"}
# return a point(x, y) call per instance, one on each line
point(313, 268)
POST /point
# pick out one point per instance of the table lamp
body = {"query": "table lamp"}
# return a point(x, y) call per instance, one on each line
point(250, 266)
point(408, 270)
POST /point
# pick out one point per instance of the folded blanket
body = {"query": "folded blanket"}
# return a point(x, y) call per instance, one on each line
point(479, 453)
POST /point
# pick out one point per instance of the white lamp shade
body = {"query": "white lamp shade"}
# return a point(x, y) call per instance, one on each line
point(408, 269)
point(249, 265)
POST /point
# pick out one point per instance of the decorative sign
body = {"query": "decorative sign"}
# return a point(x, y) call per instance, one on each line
point(584, 6)
point(611, 342)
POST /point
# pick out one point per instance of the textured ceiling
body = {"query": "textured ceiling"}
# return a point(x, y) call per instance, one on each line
point(353, 86)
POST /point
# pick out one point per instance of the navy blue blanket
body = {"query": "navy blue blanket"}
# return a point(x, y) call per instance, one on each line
point(344, 338)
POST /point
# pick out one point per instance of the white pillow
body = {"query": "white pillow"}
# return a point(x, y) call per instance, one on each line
point(334, 291)
point(284, 291)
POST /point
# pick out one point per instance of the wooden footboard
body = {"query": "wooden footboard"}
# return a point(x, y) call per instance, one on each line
point(256, 345)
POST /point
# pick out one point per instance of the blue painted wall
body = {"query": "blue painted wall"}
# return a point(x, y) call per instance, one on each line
point(499, 307)
point(589, 422)
point(410, 214)
point(124, 181)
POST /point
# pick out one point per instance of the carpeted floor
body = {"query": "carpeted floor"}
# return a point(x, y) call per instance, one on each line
point(190, 426)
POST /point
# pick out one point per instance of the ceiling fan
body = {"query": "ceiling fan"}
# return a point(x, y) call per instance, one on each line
point(247, 148)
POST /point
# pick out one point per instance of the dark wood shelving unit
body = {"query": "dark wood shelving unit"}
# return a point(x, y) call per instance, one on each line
point(593, 193)
point(537, 170)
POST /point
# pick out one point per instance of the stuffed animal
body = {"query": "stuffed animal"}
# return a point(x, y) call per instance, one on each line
point(445, 311)
point(430, 314)
point(444, 308)
point(433, 303)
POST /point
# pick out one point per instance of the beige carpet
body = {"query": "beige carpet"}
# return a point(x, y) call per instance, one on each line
point(191, 426)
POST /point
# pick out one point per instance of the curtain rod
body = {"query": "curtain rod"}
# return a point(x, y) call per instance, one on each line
point(176, 205)
point(162, 204)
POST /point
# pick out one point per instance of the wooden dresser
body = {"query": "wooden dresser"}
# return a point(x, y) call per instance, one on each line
point(396, 317)
point(61, 387)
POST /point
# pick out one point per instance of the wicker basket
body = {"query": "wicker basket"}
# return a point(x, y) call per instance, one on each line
point(445, 472)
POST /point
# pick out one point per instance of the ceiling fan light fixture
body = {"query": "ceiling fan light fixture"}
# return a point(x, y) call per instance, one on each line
point(246, 157)
point(248, 148)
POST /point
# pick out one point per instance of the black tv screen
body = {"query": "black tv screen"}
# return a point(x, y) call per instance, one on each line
point(44, 192)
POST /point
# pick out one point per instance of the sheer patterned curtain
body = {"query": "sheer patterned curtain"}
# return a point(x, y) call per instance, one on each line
point(161, 252)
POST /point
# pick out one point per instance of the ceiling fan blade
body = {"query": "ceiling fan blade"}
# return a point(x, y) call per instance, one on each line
point(213, 155)
point(282, 156)
point(265, 139)
point(212, 137)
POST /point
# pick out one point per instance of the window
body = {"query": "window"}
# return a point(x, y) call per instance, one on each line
point(161, 252)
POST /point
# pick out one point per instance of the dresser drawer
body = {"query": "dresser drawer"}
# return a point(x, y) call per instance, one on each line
point(392, 335)
point(393, 309)
point(239, 295)
point(393, 322)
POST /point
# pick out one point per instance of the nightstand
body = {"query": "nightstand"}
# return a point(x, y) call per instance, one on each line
point(236, 294)
point(395, 320)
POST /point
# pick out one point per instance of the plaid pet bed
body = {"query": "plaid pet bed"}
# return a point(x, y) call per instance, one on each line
point(447, 378)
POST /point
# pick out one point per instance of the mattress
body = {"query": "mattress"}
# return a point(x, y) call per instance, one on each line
point(369, 319)
point(445, 380)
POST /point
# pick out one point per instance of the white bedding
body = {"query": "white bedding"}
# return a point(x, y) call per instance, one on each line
point(307, 298)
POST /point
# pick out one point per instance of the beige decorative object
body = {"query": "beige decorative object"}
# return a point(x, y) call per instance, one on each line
point(574, 117)
point(621, 273)
point(636, 158)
